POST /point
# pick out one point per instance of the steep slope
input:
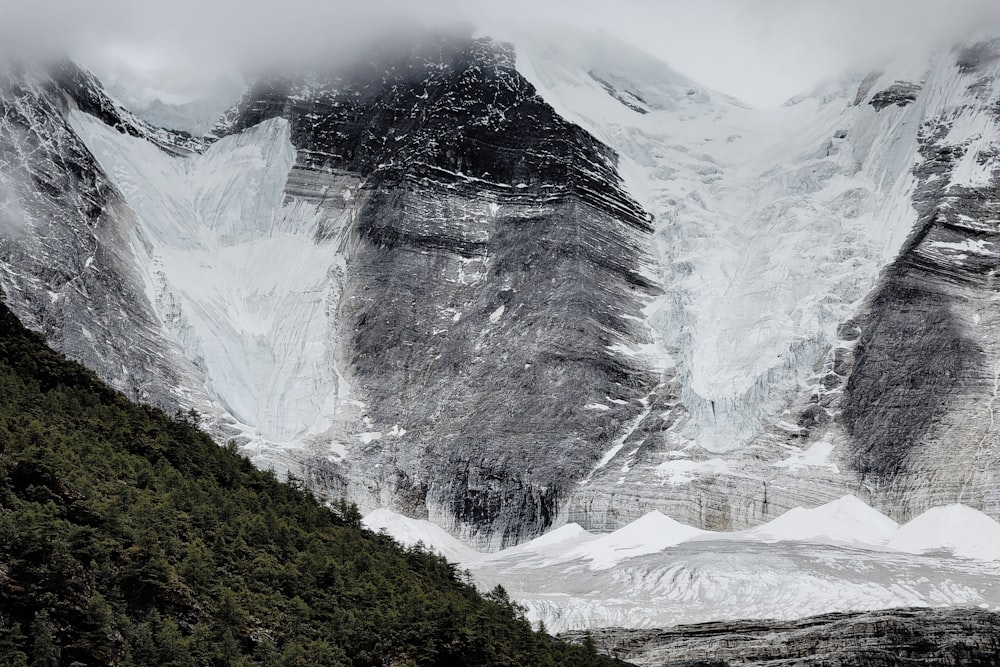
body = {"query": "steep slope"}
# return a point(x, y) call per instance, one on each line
point(407, 279)
point(801, 358)
point(130, 538)
point(64, 253)
point(492, 262)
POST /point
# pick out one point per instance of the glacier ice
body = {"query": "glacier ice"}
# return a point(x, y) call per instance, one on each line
point(235, 270)
point(771, 227)
point(655, 572)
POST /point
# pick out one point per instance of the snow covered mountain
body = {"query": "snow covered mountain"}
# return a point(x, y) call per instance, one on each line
point(510, 288)
point(826, 321)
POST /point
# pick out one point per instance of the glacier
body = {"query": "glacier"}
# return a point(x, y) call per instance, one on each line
point(240, 279)
point(772, 224)
point(514, 289)
point(656, 572)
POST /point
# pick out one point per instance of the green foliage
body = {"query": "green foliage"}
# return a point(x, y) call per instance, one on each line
point(128, 538)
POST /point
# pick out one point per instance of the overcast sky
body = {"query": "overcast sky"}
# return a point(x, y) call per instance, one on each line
point(762, 51)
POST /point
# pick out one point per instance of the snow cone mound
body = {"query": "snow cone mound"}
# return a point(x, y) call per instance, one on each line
point(648, 534)
point(409, 531)
point(847, 520)
point(966, 532)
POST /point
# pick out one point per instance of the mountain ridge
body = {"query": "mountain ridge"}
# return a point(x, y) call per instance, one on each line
point(470, 245)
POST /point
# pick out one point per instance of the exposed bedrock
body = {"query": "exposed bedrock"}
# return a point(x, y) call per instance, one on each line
point(890, 638)
point(494, 264)
point(919, 402)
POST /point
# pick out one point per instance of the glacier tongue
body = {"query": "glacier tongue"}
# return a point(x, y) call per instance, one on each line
point(772, 224)
point(235, 272)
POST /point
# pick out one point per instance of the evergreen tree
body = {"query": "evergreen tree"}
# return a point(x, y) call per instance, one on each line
point(44, 647)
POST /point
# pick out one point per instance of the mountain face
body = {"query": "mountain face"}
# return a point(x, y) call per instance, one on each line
point(505, 289)
point(66, 263)
point(825, 267)
point(419, 280)
point(492, 258)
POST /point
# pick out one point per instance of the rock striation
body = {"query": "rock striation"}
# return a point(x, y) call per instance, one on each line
point(888, 638)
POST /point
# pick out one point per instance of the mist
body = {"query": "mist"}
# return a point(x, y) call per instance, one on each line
point(762, 51)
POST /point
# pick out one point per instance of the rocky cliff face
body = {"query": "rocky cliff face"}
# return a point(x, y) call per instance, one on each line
point(65, 265)
point(493, 262)
point(874, 639)
point(451, 271)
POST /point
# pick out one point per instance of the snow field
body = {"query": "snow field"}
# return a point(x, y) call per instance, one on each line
point(654, 572)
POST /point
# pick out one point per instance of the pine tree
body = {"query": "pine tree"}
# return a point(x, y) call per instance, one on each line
point(12, 647)
point(44, 647)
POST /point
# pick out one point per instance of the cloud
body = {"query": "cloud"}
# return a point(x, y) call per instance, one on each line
point(761, 50)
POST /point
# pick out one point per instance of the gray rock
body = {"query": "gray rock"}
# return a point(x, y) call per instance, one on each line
point(888, 638)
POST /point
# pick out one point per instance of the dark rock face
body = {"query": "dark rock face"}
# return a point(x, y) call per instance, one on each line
point(630, 99)
point(919, 359)
point(901, 94)
point(978, 56)
point(969, 637)
point(494, 261)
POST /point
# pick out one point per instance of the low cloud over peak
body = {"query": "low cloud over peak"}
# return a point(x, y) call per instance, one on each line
point(761, 50)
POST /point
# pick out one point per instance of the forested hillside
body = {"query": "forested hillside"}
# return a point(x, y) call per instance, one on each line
point(128, 537)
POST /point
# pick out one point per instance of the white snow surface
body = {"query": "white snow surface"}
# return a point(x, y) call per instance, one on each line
point(845, 520)
point(964, 531)
point(771, 225)
point(655, 572)
point(648, 534)
point(411, 532)
point(233, 270)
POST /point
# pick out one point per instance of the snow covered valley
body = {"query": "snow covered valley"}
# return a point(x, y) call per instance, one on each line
point(656, 572)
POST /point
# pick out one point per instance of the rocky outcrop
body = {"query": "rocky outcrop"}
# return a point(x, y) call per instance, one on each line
point(493, 265)
point(968, 637)
point(919, 401)
point(901, 93)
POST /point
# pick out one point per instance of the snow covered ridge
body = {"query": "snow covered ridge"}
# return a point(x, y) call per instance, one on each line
point(654, 572)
